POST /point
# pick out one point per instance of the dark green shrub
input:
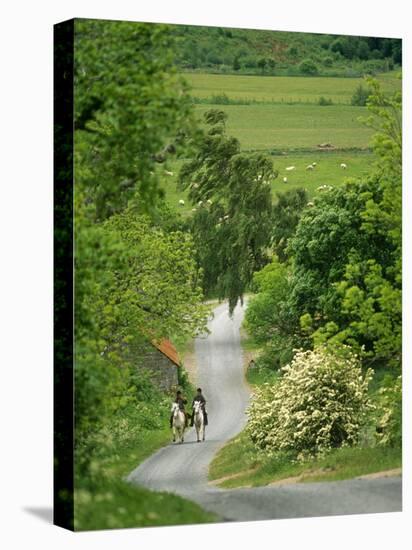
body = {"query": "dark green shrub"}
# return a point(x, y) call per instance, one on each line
point(325, 101)
point(308, 67)
point(360, 96)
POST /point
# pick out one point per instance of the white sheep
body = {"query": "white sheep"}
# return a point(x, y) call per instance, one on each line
point(181, 202)
point(226, 217)
point(289, 168)
point(209, 201)
point(309, 167)
point(194, 209)
point(343, 165)
point(285, 179)
point(313, 164)
point(168, 173)
point(200, 203)
point(310, 204)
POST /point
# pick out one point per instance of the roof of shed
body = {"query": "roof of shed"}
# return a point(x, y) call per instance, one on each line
point(167, 348)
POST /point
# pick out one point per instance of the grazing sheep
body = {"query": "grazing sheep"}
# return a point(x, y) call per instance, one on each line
point(343, 165)
point(285, 179)
point(309, 167)
point(181, 202)
point(313, 164)
point(226, 217)
point(209, 201)
point(310, 204)
point(200, 203)
point(289, 168)
point(168, 173)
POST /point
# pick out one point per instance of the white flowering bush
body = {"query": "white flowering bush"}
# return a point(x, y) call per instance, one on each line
point(319, 403)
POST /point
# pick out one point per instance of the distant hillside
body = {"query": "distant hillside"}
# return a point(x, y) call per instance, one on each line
point(244, 51)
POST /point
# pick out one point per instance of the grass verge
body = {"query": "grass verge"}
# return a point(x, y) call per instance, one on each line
point(238, 465)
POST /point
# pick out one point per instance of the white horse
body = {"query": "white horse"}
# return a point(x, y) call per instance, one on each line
point(178, 423)
point(199, 420)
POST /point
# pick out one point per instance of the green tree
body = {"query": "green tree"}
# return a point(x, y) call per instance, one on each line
point(131, 109)
point(286, 215)
point(136, 278)
point(360, 96)
point(370, 289)
point(236, 63)
point(261, 63)
point(232, 194)
point(328, 233)
point(133, 282)
point(268, 318)
point(308, 67)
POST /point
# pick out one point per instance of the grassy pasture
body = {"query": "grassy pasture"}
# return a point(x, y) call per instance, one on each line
point(274, 127)
point(282, 89)
point(326, 172)
point(290, 133)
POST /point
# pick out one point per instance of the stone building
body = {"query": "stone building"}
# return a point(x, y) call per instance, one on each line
point(162, 360)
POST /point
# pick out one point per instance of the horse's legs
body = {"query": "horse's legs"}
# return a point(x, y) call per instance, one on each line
point(204, 432)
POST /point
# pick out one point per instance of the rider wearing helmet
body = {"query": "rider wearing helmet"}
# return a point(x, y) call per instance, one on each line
point(199, 397)
point(181, 401)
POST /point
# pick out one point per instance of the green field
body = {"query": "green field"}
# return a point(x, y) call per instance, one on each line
point(282, 127)
point(282, 89)
point(326, 172)
point(290, 133)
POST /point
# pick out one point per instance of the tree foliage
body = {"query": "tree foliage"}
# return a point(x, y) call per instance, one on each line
point(285, 218)
point(346, 251)
point(231, 225)
point(135, 275)
point(131, 108)
point(371, 291)
point(268, 317)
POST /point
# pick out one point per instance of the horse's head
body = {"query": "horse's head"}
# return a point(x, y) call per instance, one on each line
point(197, 407)
point(175, 409)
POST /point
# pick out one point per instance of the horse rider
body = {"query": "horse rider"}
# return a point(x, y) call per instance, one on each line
point(199, 397)
point(181, 401)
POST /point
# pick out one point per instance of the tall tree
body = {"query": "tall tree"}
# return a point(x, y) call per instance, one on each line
point(131, 110)
point(286, 215)
point(369, 293)
point(232, 222)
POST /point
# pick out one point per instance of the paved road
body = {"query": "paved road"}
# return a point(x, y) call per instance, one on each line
point(182, 469)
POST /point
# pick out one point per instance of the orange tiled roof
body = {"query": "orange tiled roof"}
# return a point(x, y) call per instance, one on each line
point(167, 348)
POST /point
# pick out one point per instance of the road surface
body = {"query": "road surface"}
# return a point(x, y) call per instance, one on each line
point(182, 468)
